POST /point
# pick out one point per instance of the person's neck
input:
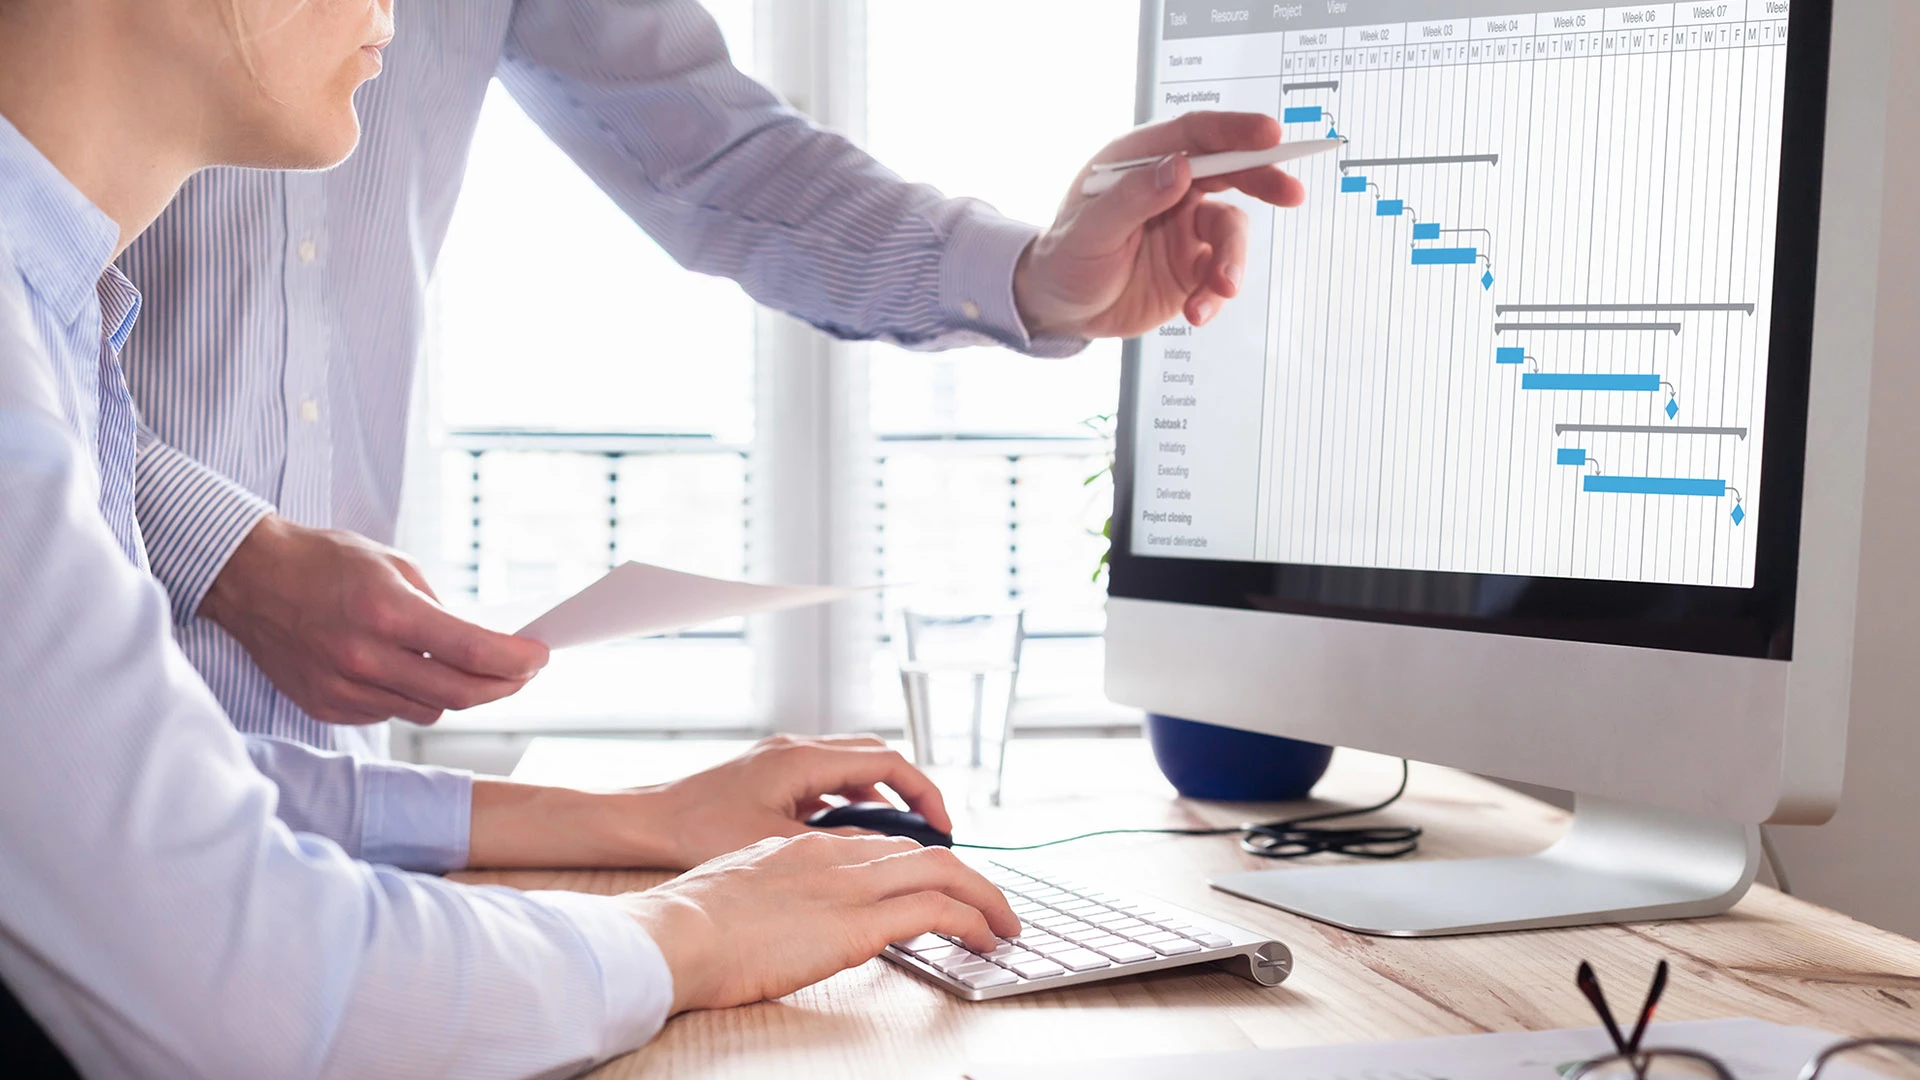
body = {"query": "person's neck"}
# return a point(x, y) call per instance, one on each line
point(91, 107)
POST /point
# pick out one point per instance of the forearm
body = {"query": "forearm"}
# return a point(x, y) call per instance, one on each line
point(528, 825)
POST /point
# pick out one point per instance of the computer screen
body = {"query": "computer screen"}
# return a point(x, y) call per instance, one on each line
point(1535, 321)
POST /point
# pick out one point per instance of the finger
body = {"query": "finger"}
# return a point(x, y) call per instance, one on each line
point(862, 793)
point(834, 769)
point(1107, 223)
point(1269, 184)
point(848, 740)
point(1202, 306)
point(940, 870)
point(361, 703)
point(1224, 227)
point(1196, 133)
point(903, 917)
point(428, 628)
point(429, 681)
point(414, 577)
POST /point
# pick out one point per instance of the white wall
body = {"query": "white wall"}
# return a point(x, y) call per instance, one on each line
point(1866, 862)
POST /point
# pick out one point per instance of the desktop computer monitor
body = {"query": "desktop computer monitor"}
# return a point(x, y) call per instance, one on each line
point(1535, 442)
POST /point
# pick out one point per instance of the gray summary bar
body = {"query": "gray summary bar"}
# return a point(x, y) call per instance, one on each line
point(1330, 84)
point(1638, 429)
point(1503, 327)
point(1504, 309)
point(1441, 159)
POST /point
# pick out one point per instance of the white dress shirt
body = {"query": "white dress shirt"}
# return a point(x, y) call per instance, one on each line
point(156, 917)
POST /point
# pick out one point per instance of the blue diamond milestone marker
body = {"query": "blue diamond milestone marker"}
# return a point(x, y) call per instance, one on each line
point(1673, 408)
point(1486, 281)
point(1739, 513)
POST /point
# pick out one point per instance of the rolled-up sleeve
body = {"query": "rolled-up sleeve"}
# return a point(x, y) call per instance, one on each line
point(415, 817)
point(732, 182)
point(192, 518)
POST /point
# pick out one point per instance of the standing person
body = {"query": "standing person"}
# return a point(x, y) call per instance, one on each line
point(285, 313)
point(156, 917)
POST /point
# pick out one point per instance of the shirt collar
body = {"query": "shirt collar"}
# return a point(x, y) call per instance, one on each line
point(119, 307)
point(60, 241)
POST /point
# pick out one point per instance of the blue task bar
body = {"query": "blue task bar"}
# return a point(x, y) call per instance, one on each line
point(1445, 256)
point(1571, 457)
point(1302, 114)
point(1547, 380)
point(1429, 230)
point(1389, 208)
point(1656, 485)
point(1510, 355)
point(1353, 185)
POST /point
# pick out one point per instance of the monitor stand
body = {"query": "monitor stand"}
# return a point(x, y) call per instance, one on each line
point(1618, 863)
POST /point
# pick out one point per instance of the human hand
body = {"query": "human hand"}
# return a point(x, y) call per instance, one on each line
point(782, 914)
point(1120, 263)
point(351, 632)
point(774, 787)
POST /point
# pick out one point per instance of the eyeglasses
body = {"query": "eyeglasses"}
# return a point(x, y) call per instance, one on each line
point(1854, 1059)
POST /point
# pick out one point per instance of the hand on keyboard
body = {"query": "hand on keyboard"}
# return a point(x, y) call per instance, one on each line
point(783, 914)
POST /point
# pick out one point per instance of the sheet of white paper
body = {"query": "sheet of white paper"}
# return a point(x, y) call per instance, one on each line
point(638, 600)
point(1755, 1050)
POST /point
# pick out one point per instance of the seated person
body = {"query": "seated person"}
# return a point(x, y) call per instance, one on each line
point(156, 916)
point(259, 282)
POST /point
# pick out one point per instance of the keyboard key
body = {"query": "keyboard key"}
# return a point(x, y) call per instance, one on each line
point(1078, 907)
point(957, 966)
point(1154, 938)
point(1102, 941)
point(1038, 968)
point(1006, 951)
point(924, 943)
point(1055, 947)
point(988, 979)
point(1055, 922)
point(1131, 926)
point(934, 956)
point(1108, 918)
point(1212, 941)
point(1082, 932)
point(1080, 960)
point(1174, 946)
point(1126, 952)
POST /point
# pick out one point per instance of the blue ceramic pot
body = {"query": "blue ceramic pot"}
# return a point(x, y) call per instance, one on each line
point(1206, 761)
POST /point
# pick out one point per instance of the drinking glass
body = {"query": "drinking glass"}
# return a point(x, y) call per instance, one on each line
point(958, 670)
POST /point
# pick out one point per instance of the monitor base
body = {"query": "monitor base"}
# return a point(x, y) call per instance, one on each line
point(1617, 863)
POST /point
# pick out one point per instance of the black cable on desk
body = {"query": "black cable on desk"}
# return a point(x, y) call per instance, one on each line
point(1289, 839)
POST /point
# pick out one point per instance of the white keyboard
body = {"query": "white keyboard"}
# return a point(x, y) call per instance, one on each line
point(1076, 934)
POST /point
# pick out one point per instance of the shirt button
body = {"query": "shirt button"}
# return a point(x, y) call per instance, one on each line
point(308, 251)
point(970, 309)
point(310, 410)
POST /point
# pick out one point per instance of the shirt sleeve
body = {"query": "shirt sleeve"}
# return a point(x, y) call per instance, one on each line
point(193, 519)
point(415, 817)
point(156, 918)
point(732, 182)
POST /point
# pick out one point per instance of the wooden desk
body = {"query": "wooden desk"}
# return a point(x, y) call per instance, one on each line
point(1773, 957)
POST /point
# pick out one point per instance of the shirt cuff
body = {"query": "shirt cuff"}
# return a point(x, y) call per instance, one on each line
point(192, 519)
point(635, 983)
point(976, 283)
point(415, 816)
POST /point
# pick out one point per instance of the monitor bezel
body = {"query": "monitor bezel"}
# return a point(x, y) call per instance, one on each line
point(1749, 622)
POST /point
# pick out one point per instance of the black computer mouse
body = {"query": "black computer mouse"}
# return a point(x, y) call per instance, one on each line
point(881, 818)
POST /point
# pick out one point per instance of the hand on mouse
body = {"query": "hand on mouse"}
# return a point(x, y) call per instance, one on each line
point(773, 788)
point(782, 914)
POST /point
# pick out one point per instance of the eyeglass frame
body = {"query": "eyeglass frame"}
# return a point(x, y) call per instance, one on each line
point(1630, 1053)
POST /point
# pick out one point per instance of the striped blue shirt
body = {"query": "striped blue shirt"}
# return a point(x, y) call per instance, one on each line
point(158, 916)
point(285, 310)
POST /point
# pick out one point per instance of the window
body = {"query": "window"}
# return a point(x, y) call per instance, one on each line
point(732, 442)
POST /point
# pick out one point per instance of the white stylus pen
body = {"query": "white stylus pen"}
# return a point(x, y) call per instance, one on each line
point(1205, 165)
